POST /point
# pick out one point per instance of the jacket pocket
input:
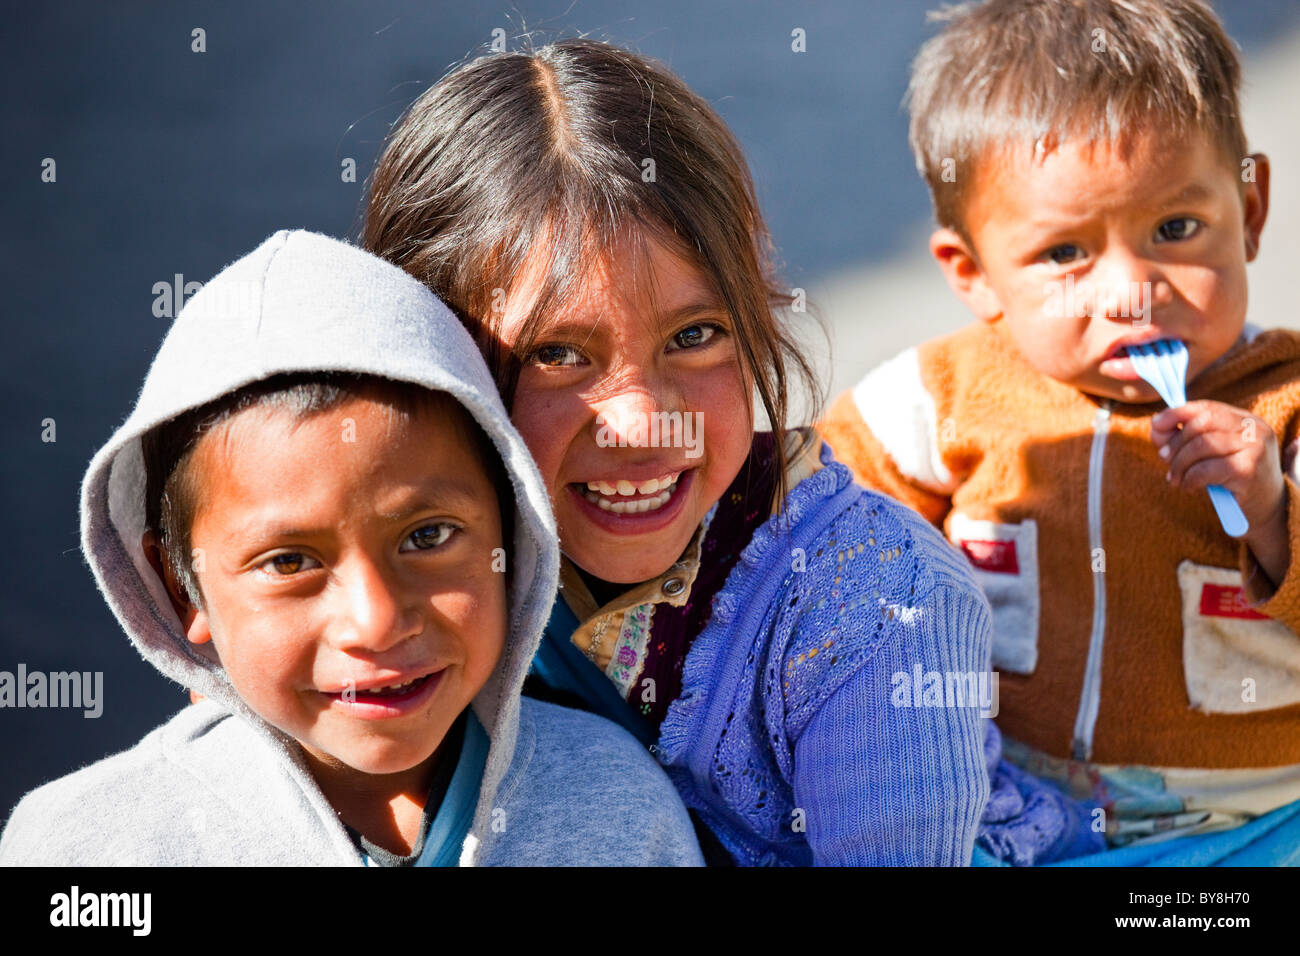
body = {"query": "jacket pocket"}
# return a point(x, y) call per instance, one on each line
point(1235, 660)
point(1004, 558)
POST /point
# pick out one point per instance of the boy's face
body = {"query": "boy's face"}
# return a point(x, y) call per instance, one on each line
point(344, 553)
point(1083, 249)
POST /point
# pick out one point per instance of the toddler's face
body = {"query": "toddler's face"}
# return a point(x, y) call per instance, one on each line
point(343, 554)
point(1084, 249)
point(637, 410)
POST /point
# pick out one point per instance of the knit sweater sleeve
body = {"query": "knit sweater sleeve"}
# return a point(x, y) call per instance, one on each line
point(888, 763)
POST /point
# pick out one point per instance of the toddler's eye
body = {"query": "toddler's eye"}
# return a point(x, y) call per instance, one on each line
point(556, 355)
point(430, 536)
point(1178, 230)
point(1062, 254)
point(695, 335)
point(290, 562)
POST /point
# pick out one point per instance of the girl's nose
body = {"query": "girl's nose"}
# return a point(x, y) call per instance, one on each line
point(631, 414)
point(624, 416)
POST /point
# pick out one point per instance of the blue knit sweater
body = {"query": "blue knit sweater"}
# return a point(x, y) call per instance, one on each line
point(796, 738)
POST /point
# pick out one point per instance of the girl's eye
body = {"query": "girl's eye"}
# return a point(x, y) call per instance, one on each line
point(1060, 255)
point(291, 562)
point(430, 536)
point(556, 355)
point(695, 335)
point(1178, 230)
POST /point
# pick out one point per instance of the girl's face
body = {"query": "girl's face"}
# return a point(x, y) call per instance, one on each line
point(635, 406)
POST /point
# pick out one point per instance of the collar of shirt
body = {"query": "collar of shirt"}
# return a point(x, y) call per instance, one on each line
point(597, 635)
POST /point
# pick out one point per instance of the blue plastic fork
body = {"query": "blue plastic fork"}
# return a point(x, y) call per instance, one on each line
point(1163, 365)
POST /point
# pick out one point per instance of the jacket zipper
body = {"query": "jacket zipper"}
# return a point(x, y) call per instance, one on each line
point(1090, 700)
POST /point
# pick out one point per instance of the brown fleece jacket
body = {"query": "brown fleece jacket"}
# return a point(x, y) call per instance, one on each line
point(1190, 673)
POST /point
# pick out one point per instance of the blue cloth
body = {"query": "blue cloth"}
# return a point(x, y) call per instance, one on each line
point(561, 665)
point(1270, 840)
point(1028, 821)
point(450, 826)
point(790, 739)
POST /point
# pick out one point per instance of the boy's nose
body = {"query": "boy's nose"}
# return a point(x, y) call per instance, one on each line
point(373, 613)
point(1127, 287)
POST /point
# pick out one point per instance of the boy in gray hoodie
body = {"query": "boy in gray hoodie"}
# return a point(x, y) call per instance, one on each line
point(305, 521)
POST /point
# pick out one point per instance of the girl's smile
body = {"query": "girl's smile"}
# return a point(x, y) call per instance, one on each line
point(635, 512)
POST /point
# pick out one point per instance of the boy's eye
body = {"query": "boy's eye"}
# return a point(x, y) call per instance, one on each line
point(1062, 254)
point(556, 355)
point(695, 335)
point(430, 536)
point(1178, 230)
point(291, 562)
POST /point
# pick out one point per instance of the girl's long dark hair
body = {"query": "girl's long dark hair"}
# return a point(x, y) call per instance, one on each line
point(567, 148)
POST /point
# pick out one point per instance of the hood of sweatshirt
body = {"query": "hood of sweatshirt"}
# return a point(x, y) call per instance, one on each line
point(305, 302)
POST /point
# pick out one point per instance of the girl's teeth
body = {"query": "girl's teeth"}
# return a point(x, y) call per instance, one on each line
point(631, 507)
point(625, 488)
point(600, 493)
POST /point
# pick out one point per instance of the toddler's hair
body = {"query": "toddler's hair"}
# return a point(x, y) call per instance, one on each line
point(1008, 73)
point(568, 148)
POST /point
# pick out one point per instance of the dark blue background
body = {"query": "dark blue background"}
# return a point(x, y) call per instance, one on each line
point(176, 162)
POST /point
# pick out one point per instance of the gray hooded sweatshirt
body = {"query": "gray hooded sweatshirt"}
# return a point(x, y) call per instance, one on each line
point(217, 784)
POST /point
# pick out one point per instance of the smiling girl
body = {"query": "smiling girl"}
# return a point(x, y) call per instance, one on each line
point(728, 594)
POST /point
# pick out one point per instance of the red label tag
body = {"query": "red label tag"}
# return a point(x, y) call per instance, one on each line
point(1224, 600)
point(996, 556)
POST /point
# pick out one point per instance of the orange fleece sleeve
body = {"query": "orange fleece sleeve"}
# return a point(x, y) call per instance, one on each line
point(1282, 604)
point(854, 444)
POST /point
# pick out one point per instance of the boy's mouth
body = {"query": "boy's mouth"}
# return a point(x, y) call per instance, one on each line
point(1119, 367)
point(395, 691)
point(1116, 362)
point(386, 700)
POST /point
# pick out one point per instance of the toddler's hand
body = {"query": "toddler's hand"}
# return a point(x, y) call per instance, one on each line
point(1218, 444)
point(1222, 445)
